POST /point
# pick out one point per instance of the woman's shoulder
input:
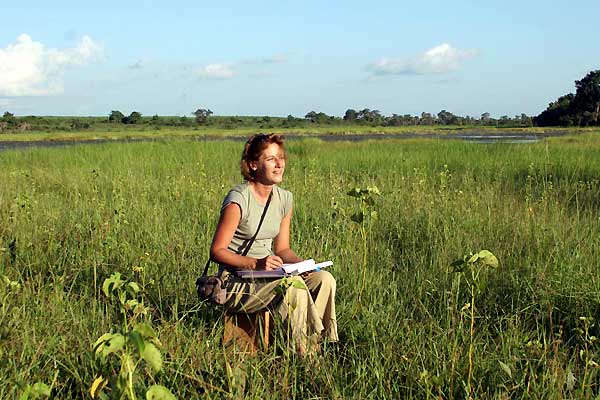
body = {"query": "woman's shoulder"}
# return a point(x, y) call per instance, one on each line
point(286, 196)
point(238, 194)
point(242, 188)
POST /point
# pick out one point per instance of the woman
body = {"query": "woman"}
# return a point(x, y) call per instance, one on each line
point(310, 312)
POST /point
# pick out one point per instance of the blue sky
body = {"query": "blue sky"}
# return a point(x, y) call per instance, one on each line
point(290, 57)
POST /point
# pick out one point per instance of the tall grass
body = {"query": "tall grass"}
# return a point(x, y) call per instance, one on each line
point(69, 217)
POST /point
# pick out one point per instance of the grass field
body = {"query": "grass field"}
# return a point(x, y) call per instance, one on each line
point(70, 217)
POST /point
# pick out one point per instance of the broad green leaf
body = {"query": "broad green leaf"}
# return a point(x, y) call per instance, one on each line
point(130, 304)
point(109, 343)
point(26, 392)
point(137, 340)
point(145, 330)
point(152, 356)
point(112, 283)
point(133, 287)
point(299, 285)
point(505, 368)
point(158, 392)
point(486, 258)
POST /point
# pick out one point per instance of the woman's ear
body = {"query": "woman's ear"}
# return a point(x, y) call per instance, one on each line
point(253, 166)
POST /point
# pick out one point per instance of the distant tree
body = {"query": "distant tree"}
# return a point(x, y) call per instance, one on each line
point(133, 118)
point(318, 117)
point(202, 115)
point(426, 119)
point(350, 115)
point(446, 118)
point(8, 120)
point(311, 116)
point(116, 117)
point(155, 119)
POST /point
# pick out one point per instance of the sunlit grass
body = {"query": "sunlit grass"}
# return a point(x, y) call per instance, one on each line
point(77, 214)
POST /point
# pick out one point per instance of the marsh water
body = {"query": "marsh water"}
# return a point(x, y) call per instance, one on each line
point(472, 136)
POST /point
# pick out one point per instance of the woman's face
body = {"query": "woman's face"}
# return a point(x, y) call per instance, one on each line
point(270, 165)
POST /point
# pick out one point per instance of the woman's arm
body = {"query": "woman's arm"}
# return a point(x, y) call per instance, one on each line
point(219, 252)
point(281, 243)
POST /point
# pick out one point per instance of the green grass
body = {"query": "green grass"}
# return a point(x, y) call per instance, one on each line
point(79, 213)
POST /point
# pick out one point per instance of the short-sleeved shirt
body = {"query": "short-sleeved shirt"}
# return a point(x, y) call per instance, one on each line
point(252, 209)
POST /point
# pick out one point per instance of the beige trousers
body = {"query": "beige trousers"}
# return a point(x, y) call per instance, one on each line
point(307, 303)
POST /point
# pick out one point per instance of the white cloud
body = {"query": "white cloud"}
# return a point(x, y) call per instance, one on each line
point(27, 68)
point(217, 71)
point(440, 59)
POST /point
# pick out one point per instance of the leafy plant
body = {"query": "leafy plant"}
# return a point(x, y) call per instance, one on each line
point(363, 217)
point(136, 342)
point(36, 391)
point(473, 264)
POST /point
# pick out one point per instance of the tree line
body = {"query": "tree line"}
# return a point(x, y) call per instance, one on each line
point(579, 109)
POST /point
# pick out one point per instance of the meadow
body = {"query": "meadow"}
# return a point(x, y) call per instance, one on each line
point(411, 326)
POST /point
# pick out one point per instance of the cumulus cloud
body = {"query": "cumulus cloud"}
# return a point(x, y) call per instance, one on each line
point(28, 68)
point(440, 59)
point(217, 71)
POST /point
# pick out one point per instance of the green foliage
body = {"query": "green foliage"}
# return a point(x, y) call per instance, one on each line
point(579, 109)
point(136, 342)
point(38, 390)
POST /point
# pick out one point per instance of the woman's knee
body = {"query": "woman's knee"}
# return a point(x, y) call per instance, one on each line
point(324, 279)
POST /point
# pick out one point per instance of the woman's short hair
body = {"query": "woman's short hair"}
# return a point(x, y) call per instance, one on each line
point(254, 148)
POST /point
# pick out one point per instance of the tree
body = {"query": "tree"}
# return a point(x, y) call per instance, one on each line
point(581, 108)
point(426, 119)
point(350, 115)
point(134, 118)
point(587, 95)
point(318, 117)
point(446, 118)
point(116, 117)
point(558, 112)
point(8, 120)
point(202, 115)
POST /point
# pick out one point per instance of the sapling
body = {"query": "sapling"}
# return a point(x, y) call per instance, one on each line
point(473, 264)
point(363, 217)
point(135, 342)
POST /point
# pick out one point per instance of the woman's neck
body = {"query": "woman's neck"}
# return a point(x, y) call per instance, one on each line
point(261, 191)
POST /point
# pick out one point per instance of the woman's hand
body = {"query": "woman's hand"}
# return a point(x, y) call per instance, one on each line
point(269, 263)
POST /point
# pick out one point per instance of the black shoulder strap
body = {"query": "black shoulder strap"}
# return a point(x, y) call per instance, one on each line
point(251, 241)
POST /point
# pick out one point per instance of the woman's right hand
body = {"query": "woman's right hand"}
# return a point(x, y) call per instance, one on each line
point(269, 263)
